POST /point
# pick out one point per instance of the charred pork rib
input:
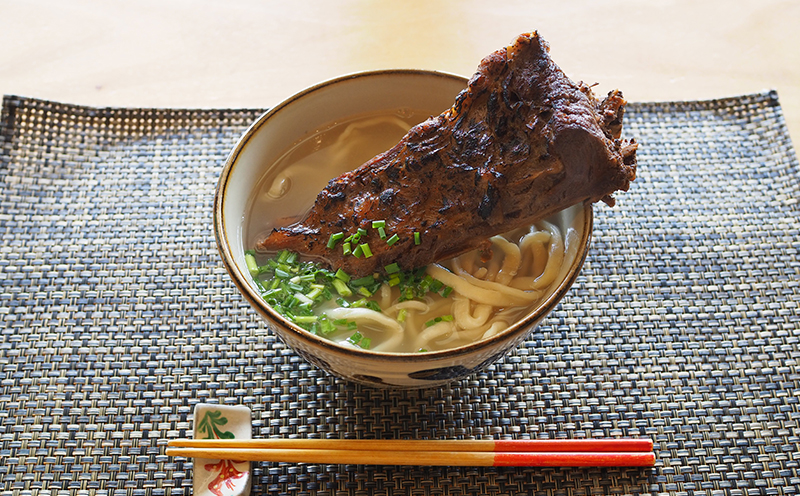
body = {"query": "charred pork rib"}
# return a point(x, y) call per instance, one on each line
point(521, 142)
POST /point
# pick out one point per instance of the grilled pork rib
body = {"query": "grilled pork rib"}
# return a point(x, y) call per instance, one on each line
point(521, 142)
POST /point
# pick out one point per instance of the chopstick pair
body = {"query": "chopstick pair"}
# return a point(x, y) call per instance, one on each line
point(474, 453)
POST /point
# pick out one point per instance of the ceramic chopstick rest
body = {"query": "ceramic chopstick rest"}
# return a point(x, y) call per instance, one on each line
point(222, 477)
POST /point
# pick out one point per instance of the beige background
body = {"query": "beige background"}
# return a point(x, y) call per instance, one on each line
point(247, 53)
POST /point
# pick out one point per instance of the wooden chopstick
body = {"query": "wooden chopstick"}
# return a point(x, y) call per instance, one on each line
point(527, 445)
point(478, 453)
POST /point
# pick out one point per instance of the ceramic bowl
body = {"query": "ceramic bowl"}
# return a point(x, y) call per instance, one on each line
point(312, 109)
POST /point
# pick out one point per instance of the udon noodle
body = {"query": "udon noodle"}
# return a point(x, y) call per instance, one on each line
point(490, 289)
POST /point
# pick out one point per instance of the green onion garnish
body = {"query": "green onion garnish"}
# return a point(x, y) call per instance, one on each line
point(327, 327)
point(335, 239)
point(365, 250)
point(377, 224)
point(297, 288)
point(341, 287)
point(252, 265)
point(365, 343)
point(305, 319)
point(394, 239)
point(355, 338)
point(416, 238)
point(314, 293)
point(362, 281)
point(358, 251)
point(382, 232)
point(443, 318)
point(346, 250)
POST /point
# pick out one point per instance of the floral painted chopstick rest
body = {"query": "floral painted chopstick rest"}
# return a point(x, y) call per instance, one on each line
point(222, 477)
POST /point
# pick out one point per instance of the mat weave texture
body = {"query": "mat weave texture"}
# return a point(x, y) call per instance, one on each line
point(117, 318)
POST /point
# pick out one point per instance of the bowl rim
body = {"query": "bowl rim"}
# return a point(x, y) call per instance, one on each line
point(261, 306)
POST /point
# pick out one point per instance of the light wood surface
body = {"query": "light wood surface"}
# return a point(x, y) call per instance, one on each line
point(249, 53)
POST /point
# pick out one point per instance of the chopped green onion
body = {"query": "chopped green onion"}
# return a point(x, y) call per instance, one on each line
point(377, 224)
point(355, 338)
point(417, 239)
point(341, 287)
point(296, 288)
point(327, 327)
point(358, 251)
point(443, 318)
point(303, 298)
point(346, 250)
point(312, 295)
point(362, 231)
point(363, 281)
point(359, 303)
point(252, 265)
point(394, 239)
point(365, 250)
point(422, 350)
point(365, 343)
point(335, 239)
point(382, 232)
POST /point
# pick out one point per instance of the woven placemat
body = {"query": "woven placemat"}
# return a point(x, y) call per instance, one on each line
point(117, 318)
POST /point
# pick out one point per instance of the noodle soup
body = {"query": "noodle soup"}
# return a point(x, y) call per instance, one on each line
point(463, 300)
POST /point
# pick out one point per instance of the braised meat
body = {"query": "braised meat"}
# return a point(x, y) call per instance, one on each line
point(521, 142)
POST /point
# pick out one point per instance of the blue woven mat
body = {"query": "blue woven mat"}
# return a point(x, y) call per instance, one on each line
point(117, 318)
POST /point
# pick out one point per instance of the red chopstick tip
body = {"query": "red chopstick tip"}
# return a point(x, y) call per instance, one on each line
point(564, 459)
point(577, 445)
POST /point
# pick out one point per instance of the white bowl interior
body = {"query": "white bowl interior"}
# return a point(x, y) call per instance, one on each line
point(311, 110)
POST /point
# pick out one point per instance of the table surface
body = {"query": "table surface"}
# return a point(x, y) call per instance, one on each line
point(116, 317)
point(252, 53)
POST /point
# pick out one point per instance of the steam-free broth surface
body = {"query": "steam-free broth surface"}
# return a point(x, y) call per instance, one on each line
point(290, 186)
